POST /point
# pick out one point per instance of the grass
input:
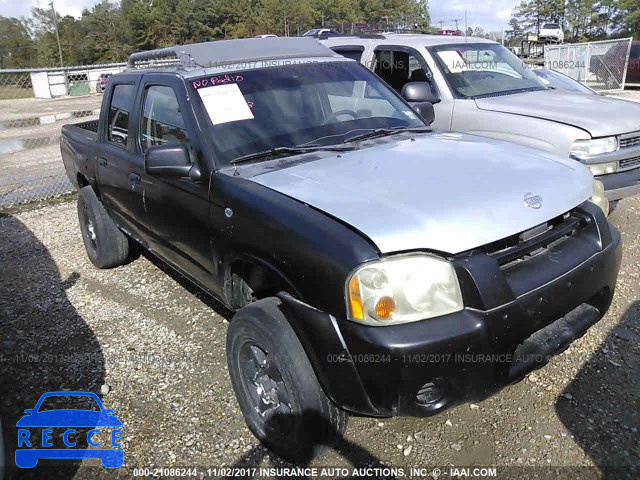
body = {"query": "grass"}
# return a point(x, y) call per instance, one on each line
point(11, 92)
point(64, 198)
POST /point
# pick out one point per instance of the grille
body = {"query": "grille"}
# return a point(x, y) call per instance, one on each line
point(630, 162)
point(630, 142)
point(519, 247)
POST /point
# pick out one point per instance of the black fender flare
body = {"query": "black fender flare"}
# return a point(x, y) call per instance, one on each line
point(320, 336)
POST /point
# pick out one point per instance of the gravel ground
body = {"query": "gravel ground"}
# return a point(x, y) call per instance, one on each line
point(153, 349)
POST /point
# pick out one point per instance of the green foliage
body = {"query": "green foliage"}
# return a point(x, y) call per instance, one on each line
point(109, 32)
point(16, 47)
point(582, 20)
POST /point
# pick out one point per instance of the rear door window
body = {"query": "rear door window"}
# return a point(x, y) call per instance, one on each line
point(119, 113)
point(354, 53)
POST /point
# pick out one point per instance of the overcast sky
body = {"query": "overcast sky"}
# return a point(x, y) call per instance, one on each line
point(22, 8)
point(492, 15)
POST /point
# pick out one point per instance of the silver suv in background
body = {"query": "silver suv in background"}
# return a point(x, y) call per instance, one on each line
point(480, 87)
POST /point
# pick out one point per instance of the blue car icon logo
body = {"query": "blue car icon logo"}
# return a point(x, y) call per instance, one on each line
point(29, 451)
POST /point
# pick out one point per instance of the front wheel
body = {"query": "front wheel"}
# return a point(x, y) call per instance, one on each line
point(276, 387)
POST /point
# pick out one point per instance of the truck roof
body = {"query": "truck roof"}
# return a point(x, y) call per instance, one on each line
point(409, 39)
point(228, 53)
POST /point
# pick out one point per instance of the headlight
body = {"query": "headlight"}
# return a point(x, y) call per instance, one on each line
point(598, 146)
point(598, 197)
point(403, 289)
point(603, 168)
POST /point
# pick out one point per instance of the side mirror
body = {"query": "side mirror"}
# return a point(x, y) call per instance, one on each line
point(109, 411)
point(170, 161)
point(420, 92)
point(426, 111)
point(29, 411)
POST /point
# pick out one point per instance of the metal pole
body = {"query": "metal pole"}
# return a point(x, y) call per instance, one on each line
point(55, 21)
point(466, 28)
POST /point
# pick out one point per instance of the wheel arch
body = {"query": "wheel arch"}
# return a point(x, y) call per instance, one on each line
point(82, 181)
point(322, 342)
point(264, 279)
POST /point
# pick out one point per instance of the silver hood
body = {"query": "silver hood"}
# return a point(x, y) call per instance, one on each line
point(447, 192)
point(600, 116)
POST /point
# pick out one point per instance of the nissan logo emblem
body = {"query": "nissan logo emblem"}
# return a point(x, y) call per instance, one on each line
point(532, 200)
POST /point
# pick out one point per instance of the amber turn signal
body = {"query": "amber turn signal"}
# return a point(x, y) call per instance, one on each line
point(355, 299)
point(385, 308)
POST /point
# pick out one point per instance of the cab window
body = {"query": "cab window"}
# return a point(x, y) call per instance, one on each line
point(400, 67)
point(162, 120)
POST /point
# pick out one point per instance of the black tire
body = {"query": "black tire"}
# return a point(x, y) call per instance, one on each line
point(304, 422)
point(106, 245)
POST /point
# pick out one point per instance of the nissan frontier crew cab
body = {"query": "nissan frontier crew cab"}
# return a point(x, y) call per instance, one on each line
point(480, 87)
point(376, 267)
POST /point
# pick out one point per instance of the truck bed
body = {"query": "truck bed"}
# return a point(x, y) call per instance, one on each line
point(79, 149)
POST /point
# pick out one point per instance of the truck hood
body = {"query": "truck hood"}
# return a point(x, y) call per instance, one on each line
point(446, 192)
point(585, 111)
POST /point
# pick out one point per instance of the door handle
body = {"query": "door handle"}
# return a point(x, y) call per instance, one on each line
point(102, 161)
point(134, 179)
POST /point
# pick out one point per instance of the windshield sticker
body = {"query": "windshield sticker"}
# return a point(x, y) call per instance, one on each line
point(453, 61)
point(217, 80)
point(225, 103)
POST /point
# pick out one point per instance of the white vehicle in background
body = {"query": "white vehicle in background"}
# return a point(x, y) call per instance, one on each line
point(268, 35)
point(478, 86)
point(551, 32)
point(318, 32)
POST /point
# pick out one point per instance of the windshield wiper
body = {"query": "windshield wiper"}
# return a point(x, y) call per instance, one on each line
point(381, 132)
point(285, 151)
point(510, 92)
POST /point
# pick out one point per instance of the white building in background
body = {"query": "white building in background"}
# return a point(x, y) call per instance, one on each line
point(58, 82)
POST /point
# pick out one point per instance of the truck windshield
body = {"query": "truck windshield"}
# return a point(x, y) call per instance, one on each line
point(483, 70)
point(312, 104)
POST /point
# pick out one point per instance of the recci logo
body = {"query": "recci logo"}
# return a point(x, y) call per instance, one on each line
point(47, 415)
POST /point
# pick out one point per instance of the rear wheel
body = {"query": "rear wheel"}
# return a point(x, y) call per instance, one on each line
point(276, 387)
point(106, 245)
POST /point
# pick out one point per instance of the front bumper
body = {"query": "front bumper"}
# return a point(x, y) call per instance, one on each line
point(624, 183)
point(517, 316)
point(621, 185)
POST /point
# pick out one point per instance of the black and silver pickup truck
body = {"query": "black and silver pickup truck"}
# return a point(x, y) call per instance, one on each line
point(376, 267)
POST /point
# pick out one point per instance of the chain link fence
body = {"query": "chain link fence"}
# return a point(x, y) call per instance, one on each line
point(34, 104)
point(599, 65)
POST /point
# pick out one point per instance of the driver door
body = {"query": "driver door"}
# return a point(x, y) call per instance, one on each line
point(175, 210)
point(398, 65)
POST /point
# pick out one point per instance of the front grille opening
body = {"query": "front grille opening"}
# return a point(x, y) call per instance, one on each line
point(524, 245)
point(630, 162)
point(630, 142)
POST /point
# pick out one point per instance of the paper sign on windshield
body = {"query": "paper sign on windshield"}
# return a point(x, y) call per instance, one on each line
point(452, 60)
point(225, 103)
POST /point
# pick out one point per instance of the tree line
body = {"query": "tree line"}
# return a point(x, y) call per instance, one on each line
point(582, 20)
point(109, 32)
